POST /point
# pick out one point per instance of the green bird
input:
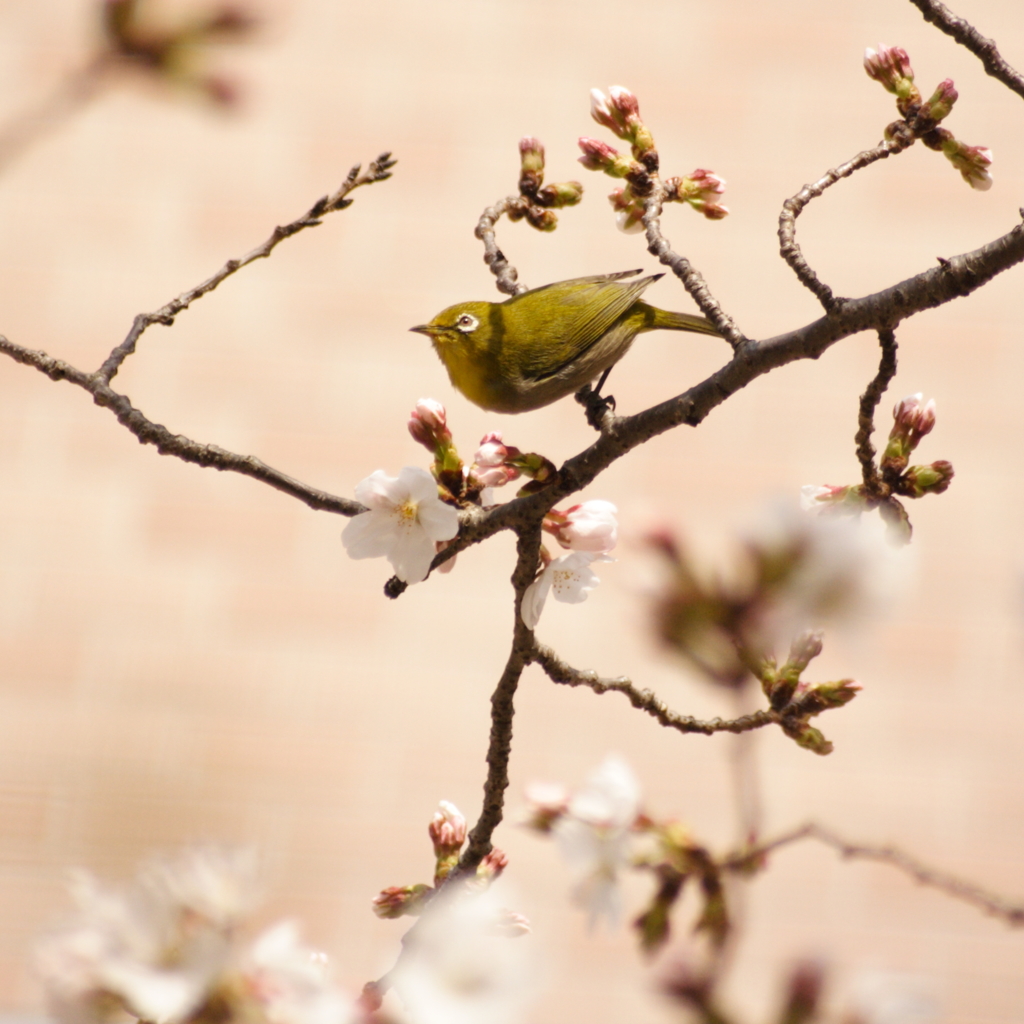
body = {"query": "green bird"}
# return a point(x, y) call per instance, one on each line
point(535, 348)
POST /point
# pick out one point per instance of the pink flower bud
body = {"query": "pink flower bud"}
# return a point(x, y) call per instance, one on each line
point(619, 111)
point(531, 153)
point(597, 155)
point(700, 189)
point(889, 65)
point(447, 829)
point(805, 648)
point(428, 424)
point(399, 900)
point(489, 467)
point(972, 162)
point(491, 867)
point(629, 210)
point(941, 101)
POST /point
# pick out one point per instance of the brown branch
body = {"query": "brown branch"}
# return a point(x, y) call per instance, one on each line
point(168, 443)
point(693, 282)
point(997, 906)
point(500, 267)
point(967, 35)
point(379, 170)
point(953, 278)
point(794, 206)
point(499, 747)
point(560, 672)
point(869, 403)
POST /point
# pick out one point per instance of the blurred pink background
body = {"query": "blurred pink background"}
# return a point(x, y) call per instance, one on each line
point(190, 656)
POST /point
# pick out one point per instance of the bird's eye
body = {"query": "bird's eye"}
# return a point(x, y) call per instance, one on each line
point(467, 323)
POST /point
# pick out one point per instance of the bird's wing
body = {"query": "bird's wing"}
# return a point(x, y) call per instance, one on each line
point(585, 309)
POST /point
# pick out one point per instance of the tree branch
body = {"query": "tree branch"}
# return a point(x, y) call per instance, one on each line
point(658, 245)
point(869, 403)
point(997, 906)
point(794, 206)
point(967, 35)
point(561, 672)
point(500, 267)
point(379, 170)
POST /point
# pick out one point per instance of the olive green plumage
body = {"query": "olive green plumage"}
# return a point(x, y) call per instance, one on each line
point(547, 343)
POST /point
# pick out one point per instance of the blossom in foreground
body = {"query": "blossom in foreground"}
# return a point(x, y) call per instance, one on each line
point(569, 579)
point(461, 966)
point(594, 832)
point(165, 950)
point(404, 521)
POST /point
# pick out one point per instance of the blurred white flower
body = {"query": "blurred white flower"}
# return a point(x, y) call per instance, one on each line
point(568, 579)
point(405, 520)
point(594, 835)
point(460, 967)
point(165, 948)
point(291, 983)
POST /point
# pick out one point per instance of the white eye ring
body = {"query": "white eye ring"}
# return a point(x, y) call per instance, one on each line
point(467, 323)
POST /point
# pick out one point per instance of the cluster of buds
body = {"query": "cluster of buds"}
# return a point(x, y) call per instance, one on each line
point(913, 419)
point(727, 629)
point(619, 111)
point(447, 832)
point(496, 464)
point(890, 66)
point(911, 422)
point(537, 202)
point(175, 54)
point(602, 830)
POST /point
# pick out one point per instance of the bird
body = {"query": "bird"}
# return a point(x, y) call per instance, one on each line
point(549, 342)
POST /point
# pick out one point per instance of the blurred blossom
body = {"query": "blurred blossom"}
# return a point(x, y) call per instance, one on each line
point(461, 967)
point(888, 998)
point(594, 835)
point(568, 579)
point(404, 521)
point(165, 950)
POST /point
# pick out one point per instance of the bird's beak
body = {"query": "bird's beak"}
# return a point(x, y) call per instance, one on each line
point(423, 329)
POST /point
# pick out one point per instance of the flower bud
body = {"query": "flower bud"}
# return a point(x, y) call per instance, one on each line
point(531, 155)
point(541, 219)
point(447, 829)
point(699, 189)
point(489, 467)
point(428, 424)
point(941, 101)
point(629, 210)
point(617, 111)
point(804, 649)
point(563, 193)
point(912, 421)
point(972, 162)
point(808, 737)
point(890, 65)
point(398, 901)
point(822, 696)
point(599, 156)
point(548, 802)
point(931, 479)
point(491, 867)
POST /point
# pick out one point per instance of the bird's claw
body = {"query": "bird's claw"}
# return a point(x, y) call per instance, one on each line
point(597, 406)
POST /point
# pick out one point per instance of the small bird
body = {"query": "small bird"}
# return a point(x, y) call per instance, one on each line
point(535, 348)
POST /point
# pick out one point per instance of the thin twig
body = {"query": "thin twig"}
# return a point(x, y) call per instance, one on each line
point(168, 443)
point(991, 903)
point(500, 267)
point(794, 206)
point(967, 35)
point(693, 282)
point(560, 672)
point(379, 170)
point(869, 403)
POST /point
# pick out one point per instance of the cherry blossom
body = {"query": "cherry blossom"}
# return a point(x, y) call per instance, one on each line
point(404, 521)
point(569, 579)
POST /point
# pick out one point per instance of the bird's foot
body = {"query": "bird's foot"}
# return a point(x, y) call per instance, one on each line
point(597, 406)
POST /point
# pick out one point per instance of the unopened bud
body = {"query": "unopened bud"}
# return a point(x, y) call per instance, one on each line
point(629, 210)
point(911, 422)
point(822, 696)
point(428, 424)
point(541, 219)
point(809, 738)
point(447, 829)
point(599, 156)
point(890, 65)
point(941, 101)
point(619, 111)
point(491, 867)
point(399, 901)
point(804, 649)
point(531, 154)
point(931, 479)
point(972, 162)
point(560, 194)
point(700, 190)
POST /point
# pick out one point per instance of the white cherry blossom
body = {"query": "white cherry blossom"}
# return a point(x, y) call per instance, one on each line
point(405, 520)
point(568, 579)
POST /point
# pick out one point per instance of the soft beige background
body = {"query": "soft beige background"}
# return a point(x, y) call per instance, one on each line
point(191, 656)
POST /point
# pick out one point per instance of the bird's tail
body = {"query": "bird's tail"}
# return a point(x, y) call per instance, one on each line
point(667, 321)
